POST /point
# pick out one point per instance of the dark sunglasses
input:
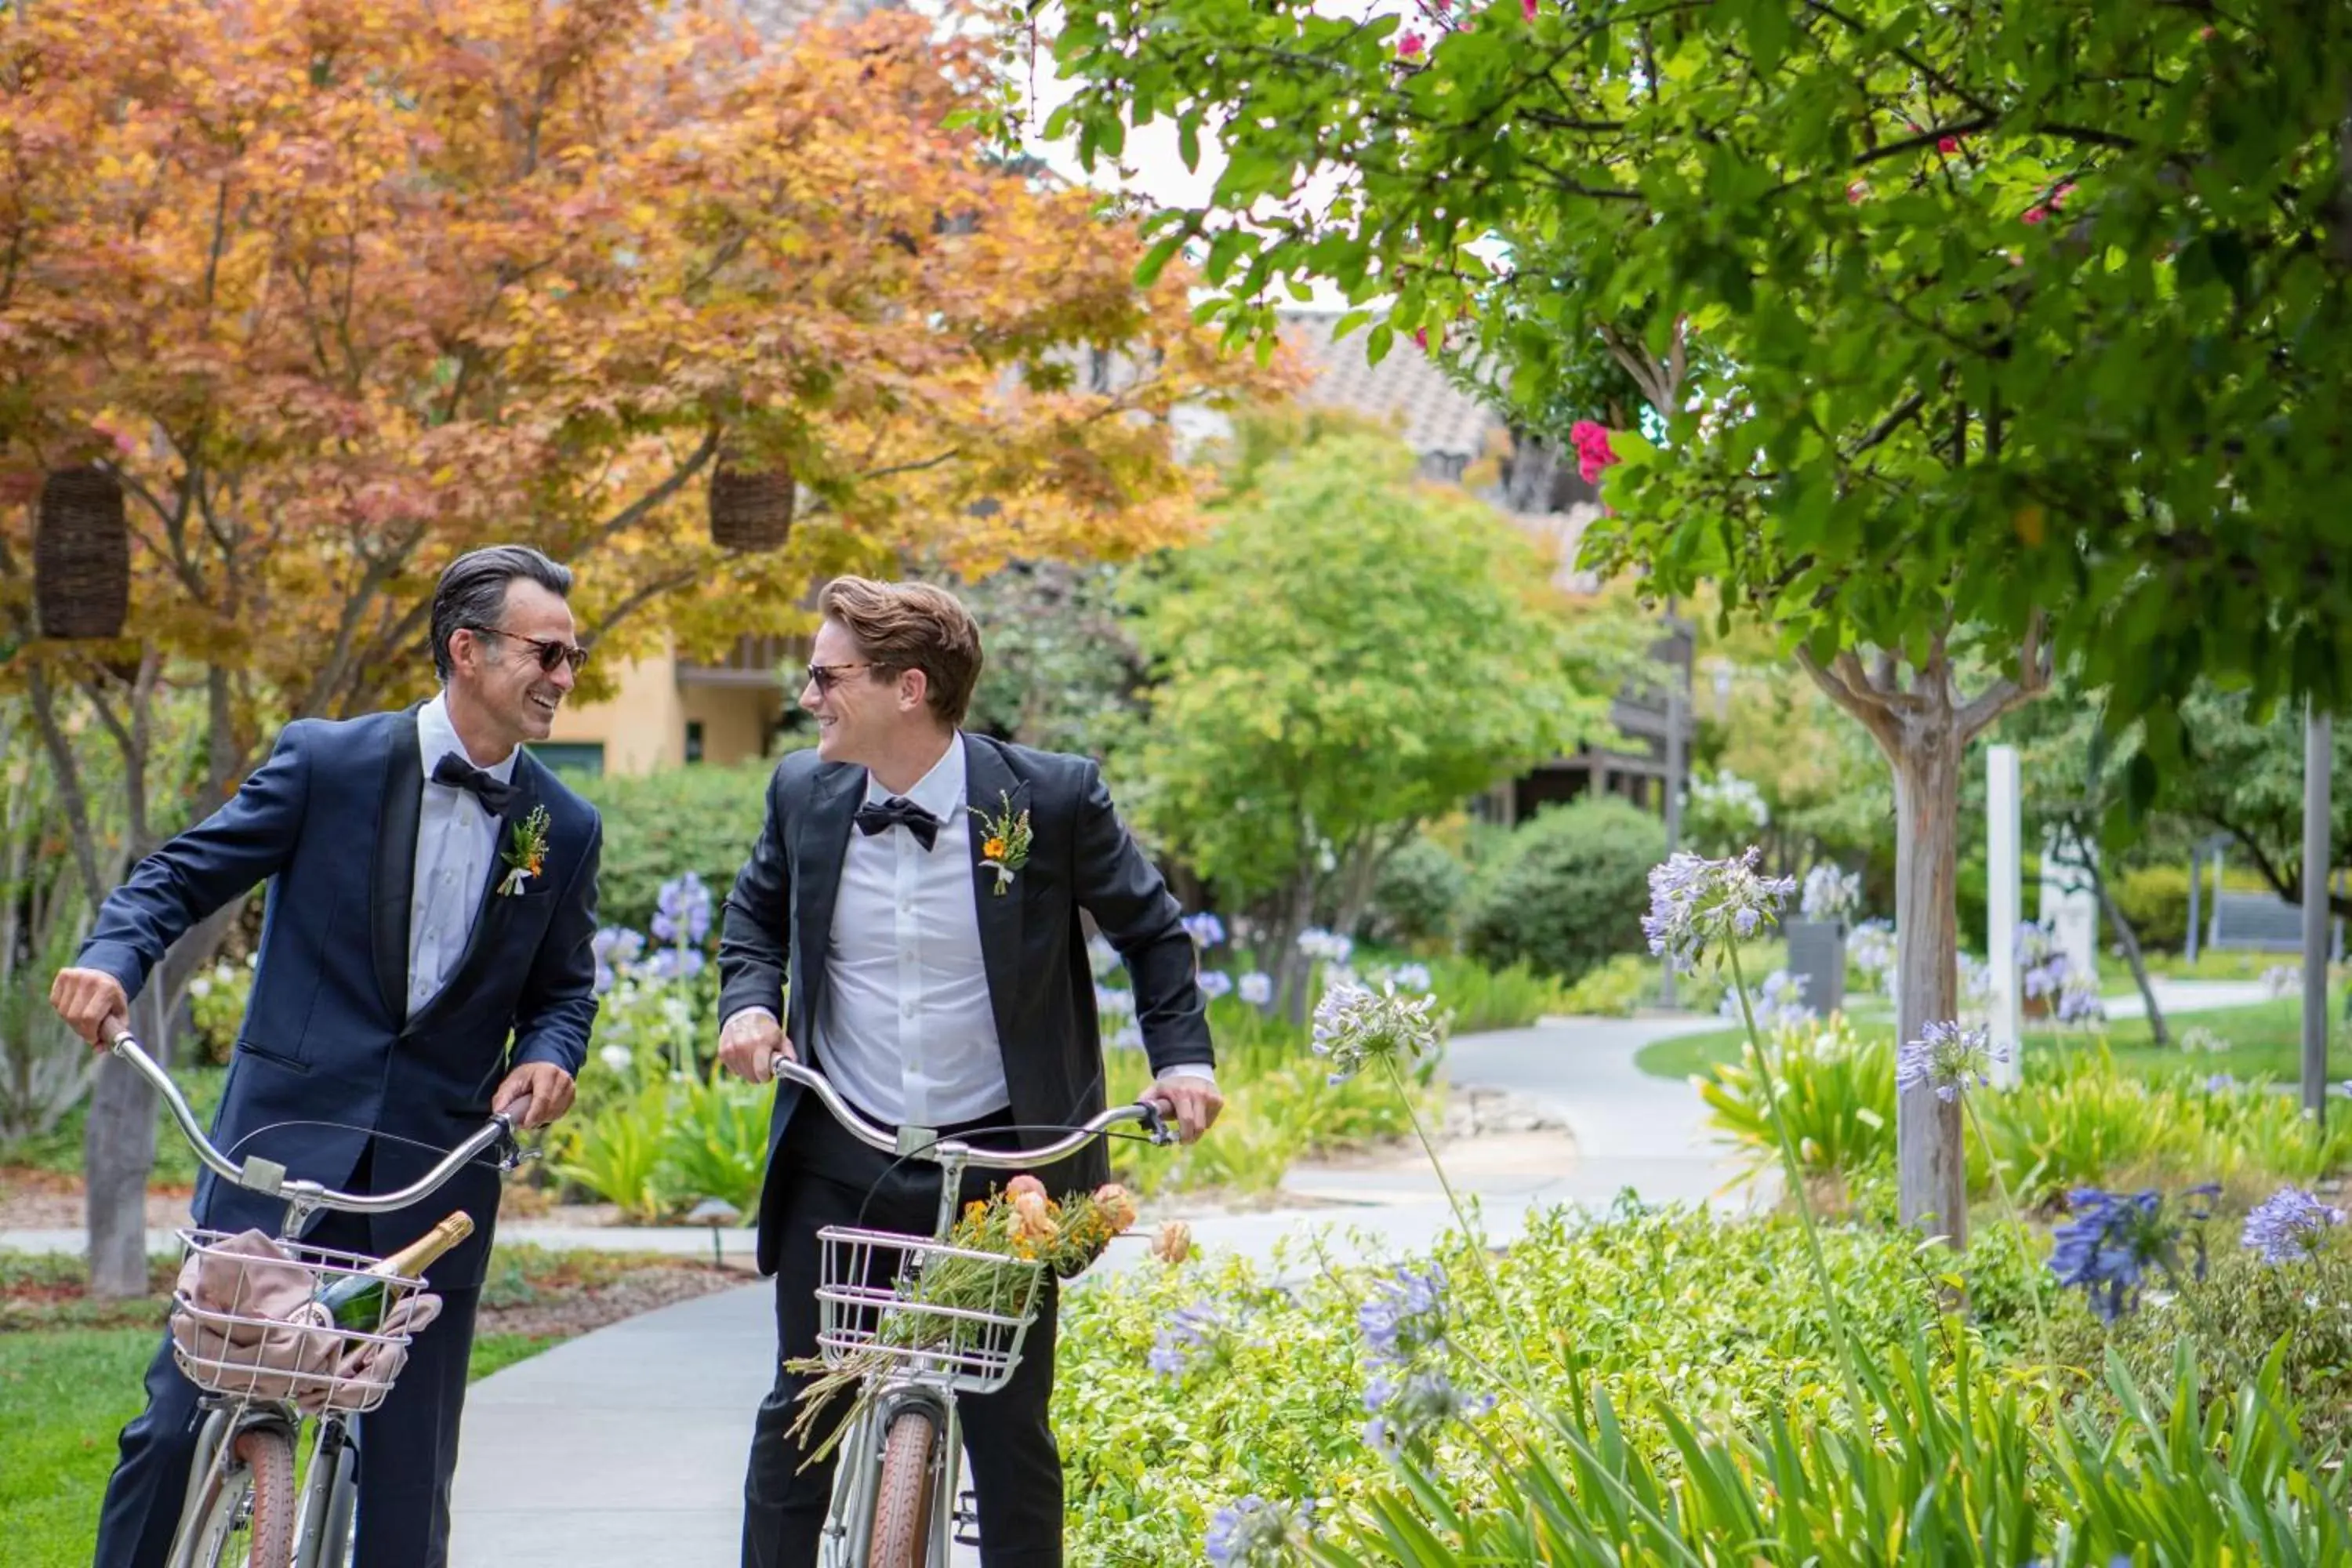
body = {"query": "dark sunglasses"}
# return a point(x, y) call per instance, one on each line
point(826, 676)
point(551, 653)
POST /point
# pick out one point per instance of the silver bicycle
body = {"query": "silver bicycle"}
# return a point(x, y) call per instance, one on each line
point(896, 1501)
point(265, 1376)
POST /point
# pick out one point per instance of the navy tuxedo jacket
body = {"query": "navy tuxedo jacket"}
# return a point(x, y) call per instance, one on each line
point(778, 927)
point(329, 1053)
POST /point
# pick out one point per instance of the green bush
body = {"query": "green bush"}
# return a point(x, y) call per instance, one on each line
point(660, 825)
point(1474, 998)
point(1569, 890)
point(2155, 900)
point(1416, 895)
point(1615, 989)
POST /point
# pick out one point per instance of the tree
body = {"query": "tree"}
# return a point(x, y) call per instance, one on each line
point(340, 289)
point(2245, 778)
point(2027, 324)
point(1347, 654)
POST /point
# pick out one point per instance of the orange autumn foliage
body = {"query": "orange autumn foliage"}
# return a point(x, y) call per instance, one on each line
point(347, 287)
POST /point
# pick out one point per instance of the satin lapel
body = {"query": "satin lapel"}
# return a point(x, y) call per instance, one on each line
point(491, 907)
point(394, 875)
point(822, 840)
point(989, 785)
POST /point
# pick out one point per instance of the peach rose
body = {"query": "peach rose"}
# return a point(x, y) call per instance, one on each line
point(1174, 1242)
point(1116, 1204)
point(1023, 1185)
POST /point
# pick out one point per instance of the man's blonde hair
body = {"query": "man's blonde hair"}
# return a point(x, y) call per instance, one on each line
point(900, 627)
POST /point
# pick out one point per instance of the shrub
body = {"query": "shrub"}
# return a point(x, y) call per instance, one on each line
point(1615, 989)
point(1475, 998)
point(1416, 896)
point(2155, 900)
point(659, 825)
point(1569, 890)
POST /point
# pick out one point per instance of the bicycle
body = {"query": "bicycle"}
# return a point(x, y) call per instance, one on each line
point(896, 1497)
point(242, 1510)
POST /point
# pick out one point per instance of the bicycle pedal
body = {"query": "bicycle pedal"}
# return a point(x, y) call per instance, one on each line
point(966, 1528)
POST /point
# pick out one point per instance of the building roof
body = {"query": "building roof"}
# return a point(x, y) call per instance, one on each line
point(1408, 388)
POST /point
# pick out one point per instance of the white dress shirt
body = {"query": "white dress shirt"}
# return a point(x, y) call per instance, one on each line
point(906, 1030)
point(455, 838)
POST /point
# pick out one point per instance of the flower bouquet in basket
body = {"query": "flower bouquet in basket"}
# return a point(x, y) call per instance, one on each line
point(955, 1302)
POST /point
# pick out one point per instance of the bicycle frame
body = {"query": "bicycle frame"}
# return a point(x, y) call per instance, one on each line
point(329, 1491)
point(849, 1523)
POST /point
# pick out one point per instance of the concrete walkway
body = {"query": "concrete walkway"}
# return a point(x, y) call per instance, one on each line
point(625, 1446)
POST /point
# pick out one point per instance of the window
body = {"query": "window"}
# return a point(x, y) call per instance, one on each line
point(571, 756)
point(694, 739)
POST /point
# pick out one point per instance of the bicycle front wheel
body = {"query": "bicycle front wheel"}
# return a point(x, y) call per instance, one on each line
point(247, 1521)
point(904, 1496)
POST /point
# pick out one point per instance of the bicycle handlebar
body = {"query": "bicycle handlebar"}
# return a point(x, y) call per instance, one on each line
point(874, 1137)
point(268, 1177)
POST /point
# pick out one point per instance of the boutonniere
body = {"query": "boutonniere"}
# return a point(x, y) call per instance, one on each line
point(1004, 841)
point(526, 851)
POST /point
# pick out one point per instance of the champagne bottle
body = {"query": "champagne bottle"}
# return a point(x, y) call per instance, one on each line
point(356, 1300)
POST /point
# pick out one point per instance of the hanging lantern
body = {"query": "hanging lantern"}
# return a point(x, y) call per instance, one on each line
point(81, 554)
point(751, 508)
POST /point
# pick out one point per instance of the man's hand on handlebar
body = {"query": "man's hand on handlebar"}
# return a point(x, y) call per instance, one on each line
point(534, 1094)
point(750, 1041)
point(1193, 1103)
point(92, 1003)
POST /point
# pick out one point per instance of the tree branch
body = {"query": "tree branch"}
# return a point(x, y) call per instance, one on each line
point(1857, 701)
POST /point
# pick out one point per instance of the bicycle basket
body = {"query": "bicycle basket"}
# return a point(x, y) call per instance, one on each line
point(247, 1323)
point(924, 1306)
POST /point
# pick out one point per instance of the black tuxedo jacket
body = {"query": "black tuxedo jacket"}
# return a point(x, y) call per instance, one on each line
point(778, 925)
point(330, 823)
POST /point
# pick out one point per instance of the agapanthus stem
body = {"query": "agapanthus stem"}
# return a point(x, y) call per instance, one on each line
point(1470, 1231)
point(1771, 1089)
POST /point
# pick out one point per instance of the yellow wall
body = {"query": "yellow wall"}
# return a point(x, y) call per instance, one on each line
point(642, 727)
point(735, 720)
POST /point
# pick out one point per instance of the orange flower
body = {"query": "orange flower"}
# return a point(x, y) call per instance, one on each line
point(1174, 1242)
point(994, 849)
point(1116, 1206)
point(1033, 1219)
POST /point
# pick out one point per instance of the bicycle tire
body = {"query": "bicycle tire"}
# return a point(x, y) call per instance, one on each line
point(265, 1474)
point(904, 1495)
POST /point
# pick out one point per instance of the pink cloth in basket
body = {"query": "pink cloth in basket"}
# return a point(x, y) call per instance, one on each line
point(243, 1314)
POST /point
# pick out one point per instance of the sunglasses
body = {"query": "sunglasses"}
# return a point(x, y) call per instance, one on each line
point(826, 676)
point(551, 653)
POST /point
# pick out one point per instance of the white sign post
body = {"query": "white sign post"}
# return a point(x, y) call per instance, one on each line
point(2004, 904)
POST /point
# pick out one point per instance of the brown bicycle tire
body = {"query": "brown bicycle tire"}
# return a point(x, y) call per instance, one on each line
point(265, 1468)
point(903, 1496)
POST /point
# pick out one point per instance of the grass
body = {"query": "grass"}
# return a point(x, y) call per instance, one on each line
point(2265, 1041)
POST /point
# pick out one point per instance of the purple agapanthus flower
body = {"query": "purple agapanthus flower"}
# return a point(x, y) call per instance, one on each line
point(1403, 1409)
point(1205, 929)
point(1256, 988)
point(1354, 1028)
point(1188, 1335)
point(1255, 1533)
point(2290, 1226)
point(2115, 1240)
point(674, 964)
point(1946, 1057)
point(1405, 1318)
point(1695, 902)
point(614, 949)
point(682, 910)
point(1215, 983)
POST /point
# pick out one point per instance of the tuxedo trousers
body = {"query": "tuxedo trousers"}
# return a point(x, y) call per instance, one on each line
point(824, 1177)
point(408, 1445)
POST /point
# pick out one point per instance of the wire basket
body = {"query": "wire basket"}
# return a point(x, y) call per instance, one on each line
point(250, 1325)
point(885, 1299)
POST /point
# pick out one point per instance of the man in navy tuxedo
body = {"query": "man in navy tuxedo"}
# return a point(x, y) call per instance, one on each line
point(939, 986)
point(413, 976)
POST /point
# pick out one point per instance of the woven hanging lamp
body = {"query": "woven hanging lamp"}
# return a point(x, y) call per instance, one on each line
point(81, 554)
point(751, 508)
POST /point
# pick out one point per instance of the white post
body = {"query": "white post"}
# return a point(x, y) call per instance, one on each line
point(2004, 905)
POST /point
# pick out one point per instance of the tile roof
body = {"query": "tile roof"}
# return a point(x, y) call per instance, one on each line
point(1407, 388)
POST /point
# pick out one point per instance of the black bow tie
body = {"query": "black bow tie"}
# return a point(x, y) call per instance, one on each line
point(899, 812)
point(458, 773)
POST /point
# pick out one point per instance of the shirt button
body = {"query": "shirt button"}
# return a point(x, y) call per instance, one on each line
point(908, 1011)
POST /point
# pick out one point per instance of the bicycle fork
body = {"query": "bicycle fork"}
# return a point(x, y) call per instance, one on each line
point(857, 1477)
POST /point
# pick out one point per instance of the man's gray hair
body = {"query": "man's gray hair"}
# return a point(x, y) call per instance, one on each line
point(473, 591)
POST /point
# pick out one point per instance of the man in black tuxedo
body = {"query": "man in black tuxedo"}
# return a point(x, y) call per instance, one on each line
point(935, 990)
point(401, 949)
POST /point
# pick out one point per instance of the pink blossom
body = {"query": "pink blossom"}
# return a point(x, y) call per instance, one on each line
point(2034, 215)
point(1527, 9)
point(1420, 336)
point(2058, 197)
point(1856, 191)
point(1947, 145)
point(1410, 44)
point(1593, 452)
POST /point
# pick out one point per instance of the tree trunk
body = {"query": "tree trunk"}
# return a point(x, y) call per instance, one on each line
point(1932, 1173)
point(118, 1150)
point(2129, 940)
point(1290, 968)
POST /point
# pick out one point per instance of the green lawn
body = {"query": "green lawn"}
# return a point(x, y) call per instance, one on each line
point(2263, 1041)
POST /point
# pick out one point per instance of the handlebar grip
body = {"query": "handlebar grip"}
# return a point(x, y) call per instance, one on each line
point(1155, 1122)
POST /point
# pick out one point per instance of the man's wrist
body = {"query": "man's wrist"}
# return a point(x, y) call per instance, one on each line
point(740, 1013)
point(1200, 1071)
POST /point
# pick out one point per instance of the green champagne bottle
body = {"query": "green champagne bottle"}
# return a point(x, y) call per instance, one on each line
point(356, 1300)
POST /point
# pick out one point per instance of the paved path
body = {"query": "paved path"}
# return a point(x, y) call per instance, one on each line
point(625, 1446)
